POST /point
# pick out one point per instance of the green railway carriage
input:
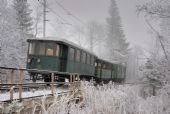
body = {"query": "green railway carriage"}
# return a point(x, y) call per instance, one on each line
point(64, 58)
point(107, 71)
point(61, 56)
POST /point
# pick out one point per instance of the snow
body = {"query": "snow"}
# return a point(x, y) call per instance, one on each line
point(36, 93)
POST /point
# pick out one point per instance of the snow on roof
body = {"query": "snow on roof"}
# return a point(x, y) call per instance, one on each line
point(120, 54)
point(112, 62)
point(62, 40)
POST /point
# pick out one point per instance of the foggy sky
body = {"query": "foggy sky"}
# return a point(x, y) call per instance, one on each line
point(134, 26)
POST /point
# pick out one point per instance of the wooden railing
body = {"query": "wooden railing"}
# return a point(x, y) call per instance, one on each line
point(19, 84)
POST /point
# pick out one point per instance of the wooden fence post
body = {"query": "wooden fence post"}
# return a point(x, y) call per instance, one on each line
point(12, 86)
point(74, 78)
point(79, 82)
point(71, 78)
point(78, 76)
point(52, 85)
point(0, 85)
point(20, 83)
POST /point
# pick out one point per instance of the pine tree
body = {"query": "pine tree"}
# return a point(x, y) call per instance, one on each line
point(116, 41)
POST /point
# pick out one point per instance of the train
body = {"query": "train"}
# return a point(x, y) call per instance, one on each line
point(65, 58)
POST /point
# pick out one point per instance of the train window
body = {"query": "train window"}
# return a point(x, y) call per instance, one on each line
point(104, 66)
point(92, 60)
point(40, 49)
point(83, 57)
point(57, 51)
point(95, 64)
point(99, 64)
point(88, 59)
point(49, 49)
point(32, 48)
point(78, 55)
point(71, 53)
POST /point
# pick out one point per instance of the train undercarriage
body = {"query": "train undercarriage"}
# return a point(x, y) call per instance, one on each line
point(69, 77)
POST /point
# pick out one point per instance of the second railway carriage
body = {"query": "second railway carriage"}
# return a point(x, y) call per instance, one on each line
point(62, 56)
point(65, 57)
point(106, 71)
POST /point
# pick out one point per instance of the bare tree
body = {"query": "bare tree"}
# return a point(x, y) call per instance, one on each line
point(37, 20)
point(95, 34)
point(161, 10)
point(157, 70)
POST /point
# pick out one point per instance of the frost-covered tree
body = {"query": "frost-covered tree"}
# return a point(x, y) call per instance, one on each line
point(91, 36)
point(116, 41)
point(9, 37)
point(25, 24)
point(160, 10)
point(13, 35)
point(37, 20)
point(95, 34)
point(157, 68)
point(23, 16)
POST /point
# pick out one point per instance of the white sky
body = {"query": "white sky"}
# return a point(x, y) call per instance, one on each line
point(135, 29)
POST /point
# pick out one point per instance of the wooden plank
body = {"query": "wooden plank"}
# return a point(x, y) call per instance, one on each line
point(11, 82)
point(0, 86)
point(74, 78)
point(21, 82)
point(71, 77)
point(32, 84)
point(11, 68)
point(78, 76)
point(52, 85)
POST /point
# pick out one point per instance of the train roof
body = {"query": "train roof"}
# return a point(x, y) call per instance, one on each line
point(110, 62)
point(115, 62)
point(62, 41)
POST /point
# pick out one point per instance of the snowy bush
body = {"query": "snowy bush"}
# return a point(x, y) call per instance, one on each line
point(114, 99)
point(15, 106)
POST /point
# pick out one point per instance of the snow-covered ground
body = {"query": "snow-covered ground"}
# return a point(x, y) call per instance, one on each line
point(35, 93)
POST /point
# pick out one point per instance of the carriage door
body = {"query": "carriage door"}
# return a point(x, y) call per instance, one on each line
point(63, 57)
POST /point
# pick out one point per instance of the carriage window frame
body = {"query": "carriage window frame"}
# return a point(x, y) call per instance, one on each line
point(57, 50)
point(49, 46)
point(104, 66)
point(88, 59)
point(95, 64)
point(40, 48)
point(83, 60)
point(72, 54)
point(99, 65)
point(32, 47)
point(78, 55)
point(92, 60)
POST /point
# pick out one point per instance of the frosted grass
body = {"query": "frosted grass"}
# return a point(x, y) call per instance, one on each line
point(108, 99)
point(117, 99)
